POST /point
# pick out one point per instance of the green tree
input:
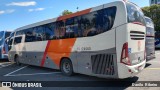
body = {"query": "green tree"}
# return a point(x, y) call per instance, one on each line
point(146, 11)
point(154, 13)
point(66, 12)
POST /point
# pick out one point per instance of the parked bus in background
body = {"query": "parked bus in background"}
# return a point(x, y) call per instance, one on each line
point(3, 45)
point(150, 39)
point(105, 41)
point(10, 40)
point(157, 39)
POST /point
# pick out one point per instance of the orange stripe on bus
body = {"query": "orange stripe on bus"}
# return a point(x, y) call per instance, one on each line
point(74, 14)
point(59, 49)
point(45, 53)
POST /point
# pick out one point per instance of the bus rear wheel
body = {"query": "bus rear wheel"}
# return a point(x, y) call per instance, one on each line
point(16, 59)
point(66, 67)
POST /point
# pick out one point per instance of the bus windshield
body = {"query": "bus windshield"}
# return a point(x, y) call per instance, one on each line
point(150, 31)
point(149, 22)
point(7, 34)
point(135, 14)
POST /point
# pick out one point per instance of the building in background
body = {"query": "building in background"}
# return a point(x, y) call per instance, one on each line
point(154, 2)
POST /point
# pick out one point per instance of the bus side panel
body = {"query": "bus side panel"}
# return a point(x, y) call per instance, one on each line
point(73, 58)
point(121, 38)
point(33, 52)
point(49, 63)
point(11, 55)
point(150, 48)
point(16, 50)
point(38, 54)
point(59, 49)
point(96, 49)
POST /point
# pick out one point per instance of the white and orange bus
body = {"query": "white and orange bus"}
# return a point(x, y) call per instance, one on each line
point(106, 41)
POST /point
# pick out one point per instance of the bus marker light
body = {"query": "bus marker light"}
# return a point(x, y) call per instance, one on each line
point(3, 50)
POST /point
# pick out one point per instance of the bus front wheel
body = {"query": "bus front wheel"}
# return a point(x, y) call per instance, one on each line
point(16, 59)
point(66, 67)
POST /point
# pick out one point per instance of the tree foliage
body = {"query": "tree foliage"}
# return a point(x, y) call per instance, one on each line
point(66, 12)
point(154, 13)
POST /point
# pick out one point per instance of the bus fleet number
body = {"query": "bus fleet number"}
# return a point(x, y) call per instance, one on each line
point(84, 48)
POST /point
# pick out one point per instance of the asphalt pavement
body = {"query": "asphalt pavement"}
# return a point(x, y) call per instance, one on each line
point(11, 72)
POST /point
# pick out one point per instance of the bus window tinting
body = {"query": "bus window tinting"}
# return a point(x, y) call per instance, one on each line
point(49, 31)
point(17, 40)
point(7, 34)
point(90, 24)
point(39, 33)
point(98, 22)
point(29, 35)
point(70, 28)
point(60, 30)
point(134, 14)
point(10, 44)
point(80, 26)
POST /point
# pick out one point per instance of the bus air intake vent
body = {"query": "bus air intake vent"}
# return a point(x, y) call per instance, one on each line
point(103, 64)
point(137, 35)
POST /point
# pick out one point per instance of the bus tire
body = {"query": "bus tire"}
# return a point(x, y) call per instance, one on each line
point(66, 67)
point(16, 59)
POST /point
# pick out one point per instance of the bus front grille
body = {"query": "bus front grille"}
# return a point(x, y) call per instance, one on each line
point(103, 64)
point(137, 35)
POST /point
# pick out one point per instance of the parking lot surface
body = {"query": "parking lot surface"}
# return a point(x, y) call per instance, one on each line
point(11, 72)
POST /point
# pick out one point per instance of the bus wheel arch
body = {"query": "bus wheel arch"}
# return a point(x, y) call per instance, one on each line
point(66, 66)
point(16, 59)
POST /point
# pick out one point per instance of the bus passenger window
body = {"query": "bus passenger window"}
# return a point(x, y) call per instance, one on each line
point(17, 40)
point(49, 31)
point(109, 17)
point(10, 44)
point(59, 31)
point(69, 24)
point(79, 27)
point(29, 36)
point(88, 24)
point(39, 33)
point(7, 34)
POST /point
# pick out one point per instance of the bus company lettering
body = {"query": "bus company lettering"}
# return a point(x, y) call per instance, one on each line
point(19, 84)
point(14, 84)
point(34, 85)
